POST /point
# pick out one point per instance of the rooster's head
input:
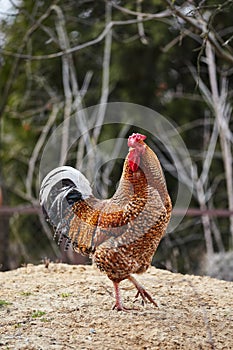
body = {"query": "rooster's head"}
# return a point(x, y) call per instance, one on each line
point(136, 149)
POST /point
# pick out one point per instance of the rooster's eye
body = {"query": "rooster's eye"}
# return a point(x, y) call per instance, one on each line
point(73, 196)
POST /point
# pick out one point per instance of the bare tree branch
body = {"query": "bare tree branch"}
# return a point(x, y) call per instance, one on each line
point(161, 14)
point(99, 38)
point(204, 31)
point(200, 194)
point(38, 147)
point(105, 75)
point(64, 44)
point(219, 103)
point(15, 65)
point(141, 30)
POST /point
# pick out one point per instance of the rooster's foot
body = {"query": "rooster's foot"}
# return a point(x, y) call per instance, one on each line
point(145, 296)
point(142, 292)
point(119, 304)
point(120, 307)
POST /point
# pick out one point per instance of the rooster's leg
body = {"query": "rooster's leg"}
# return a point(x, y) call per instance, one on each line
point(141, 291)
point(119, 304)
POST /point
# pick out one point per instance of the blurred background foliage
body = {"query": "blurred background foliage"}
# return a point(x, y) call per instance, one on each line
point(168, 56)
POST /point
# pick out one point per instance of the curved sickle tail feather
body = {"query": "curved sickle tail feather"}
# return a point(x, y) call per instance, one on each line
point(60, 189)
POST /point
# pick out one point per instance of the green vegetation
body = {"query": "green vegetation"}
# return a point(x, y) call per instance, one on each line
point(65, 295)
point(4, 303)
point(26, 294)
point(37, 314)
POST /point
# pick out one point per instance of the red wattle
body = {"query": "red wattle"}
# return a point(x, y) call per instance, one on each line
point(134, 160)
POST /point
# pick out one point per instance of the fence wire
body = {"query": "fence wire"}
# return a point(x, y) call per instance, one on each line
point(25, 237)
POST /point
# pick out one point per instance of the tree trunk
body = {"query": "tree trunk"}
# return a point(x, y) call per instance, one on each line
point(4, 243)
point(4, 238)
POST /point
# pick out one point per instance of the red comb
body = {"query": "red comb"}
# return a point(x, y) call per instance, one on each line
point(134, 138)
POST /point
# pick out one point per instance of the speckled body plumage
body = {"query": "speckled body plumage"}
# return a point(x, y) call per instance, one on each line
point(122, 233)
point(127, 228)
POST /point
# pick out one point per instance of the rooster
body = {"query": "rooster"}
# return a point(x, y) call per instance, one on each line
point(122, 233)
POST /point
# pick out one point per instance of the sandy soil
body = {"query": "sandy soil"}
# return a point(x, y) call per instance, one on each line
point(69, 307)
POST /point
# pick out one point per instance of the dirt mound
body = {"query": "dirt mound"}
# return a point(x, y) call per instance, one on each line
point(69, 307)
